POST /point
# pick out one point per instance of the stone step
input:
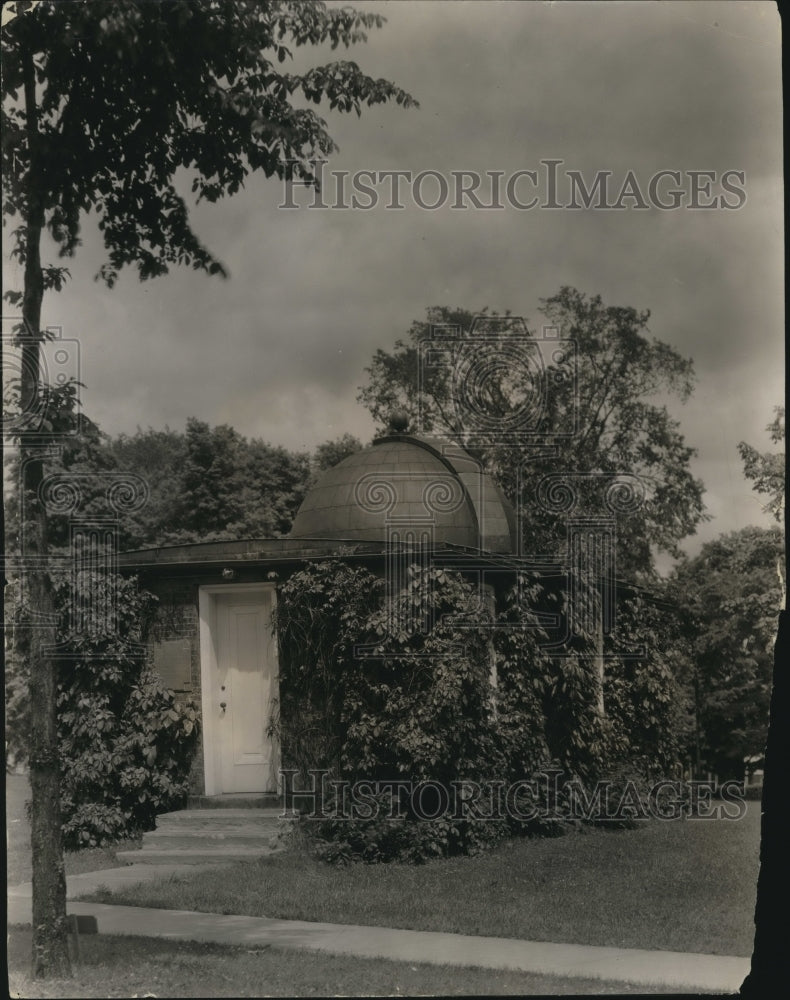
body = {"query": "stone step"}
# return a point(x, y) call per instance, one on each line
point(221, 802)
point(216, 818)
point(176, 839)
point(254, 831)
point(199, 836)
point(195, 856)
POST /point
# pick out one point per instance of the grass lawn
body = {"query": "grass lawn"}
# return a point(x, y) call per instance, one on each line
point(132, 966)
point(18, 861)
point(681, 886)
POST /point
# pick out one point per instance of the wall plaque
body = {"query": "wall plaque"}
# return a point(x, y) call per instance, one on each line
point(173, 663)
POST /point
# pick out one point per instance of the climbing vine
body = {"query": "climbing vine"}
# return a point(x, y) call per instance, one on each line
point(431, 687)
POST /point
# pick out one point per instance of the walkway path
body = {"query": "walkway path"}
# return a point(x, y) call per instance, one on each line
point(675, 970)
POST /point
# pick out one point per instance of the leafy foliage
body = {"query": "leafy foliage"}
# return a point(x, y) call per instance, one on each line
point(730, 595)
point(374, 701)
point(131, 93)
point(416, 708)
point(205, 484)
point(125, 744)
point(545, 706)
point(317, 609)
point(608, 419)
point(767, 470)
point(647, 706)
point(229, 487)
point(419, 705)
point(159, 457)
point(331, 453)
point(72, 443)
point(214, 484)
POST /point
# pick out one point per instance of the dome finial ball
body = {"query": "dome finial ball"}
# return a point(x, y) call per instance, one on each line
point(399, 421)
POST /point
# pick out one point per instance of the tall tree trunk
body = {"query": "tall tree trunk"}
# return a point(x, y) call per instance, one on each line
point(50, 940)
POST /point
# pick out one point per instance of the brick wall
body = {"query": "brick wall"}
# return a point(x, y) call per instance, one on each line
point(175, 642)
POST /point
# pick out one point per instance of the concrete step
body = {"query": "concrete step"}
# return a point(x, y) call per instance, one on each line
point(171, 840)
point(255, 831)
point(197, 836)
point(194, 856)
point(200, 836)
point(235, 801)
point(222, 818)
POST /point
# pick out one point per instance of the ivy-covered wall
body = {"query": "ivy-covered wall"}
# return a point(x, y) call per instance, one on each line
point(376, 701)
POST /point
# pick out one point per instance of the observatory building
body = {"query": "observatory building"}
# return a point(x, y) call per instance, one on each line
point(404, 498)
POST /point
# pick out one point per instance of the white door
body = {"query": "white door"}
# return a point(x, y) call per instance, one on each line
point(243, 692)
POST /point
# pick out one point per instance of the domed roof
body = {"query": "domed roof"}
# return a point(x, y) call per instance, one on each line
point(403, 484)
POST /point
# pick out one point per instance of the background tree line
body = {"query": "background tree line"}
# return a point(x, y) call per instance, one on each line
point(204, 483)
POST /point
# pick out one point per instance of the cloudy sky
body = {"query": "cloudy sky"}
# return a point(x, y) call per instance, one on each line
point(278, 350)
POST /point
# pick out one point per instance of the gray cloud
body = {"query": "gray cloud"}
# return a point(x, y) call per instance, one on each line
point(278, 350)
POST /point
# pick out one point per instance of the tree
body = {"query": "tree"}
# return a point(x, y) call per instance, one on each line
point(602, 414)
point(205, 484)
point(767, 472)
point(331, 453)
point(158, 457)
point(212, 484)
point(103, 103)
point(729, 597)
point(232, 488)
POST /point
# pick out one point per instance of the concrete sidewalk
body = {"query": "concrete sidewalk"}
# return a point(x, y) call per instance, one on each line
point(111, 878)
point(674, 970)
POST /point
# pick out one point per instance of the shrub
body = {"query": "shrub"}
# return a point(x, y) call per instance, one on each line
point(546, 704)
point(382, 838)
point(125, 742)
point(422, 706)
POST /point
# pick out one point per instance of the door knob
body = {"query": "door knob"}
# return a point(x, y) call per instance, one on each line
point(223, 705)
